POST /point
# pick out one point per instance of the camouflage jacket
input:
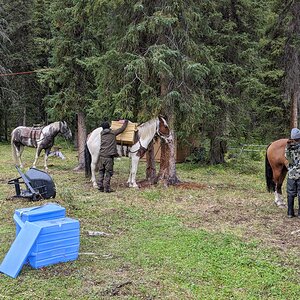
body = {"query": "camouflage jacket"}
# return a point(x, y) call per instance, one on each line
point(292, 154)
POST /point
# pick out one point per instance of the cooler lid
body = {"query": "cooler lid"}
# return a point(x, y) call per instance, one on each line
point(47, 211)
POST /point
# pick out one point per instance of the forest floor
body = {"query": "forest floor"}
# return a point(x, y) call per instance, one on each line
point(218, 235)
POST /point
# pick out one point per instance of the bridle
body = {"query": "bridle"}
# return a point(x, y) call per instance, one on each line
point(61, 126)
point(162, 135)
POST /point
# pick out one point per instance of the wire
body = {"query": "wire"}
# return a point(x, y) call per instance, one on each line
point(24, 73)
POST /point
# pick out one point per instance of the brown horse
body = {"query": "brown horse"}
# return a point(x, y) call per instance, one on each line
point(276, 169)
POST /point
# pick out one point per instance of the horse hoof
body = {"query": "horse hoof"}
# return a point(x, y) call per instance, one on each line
point(95, 186)
point(280, 204)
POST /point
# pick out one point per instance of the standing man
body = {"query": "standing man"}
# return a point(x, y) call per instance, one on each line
point(108, 150)
point(292, 154)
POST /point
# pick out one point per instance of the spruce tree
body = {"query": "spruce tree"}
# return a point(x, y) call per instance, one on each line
point(23, 97)
point(68, 81)
point(4, 87)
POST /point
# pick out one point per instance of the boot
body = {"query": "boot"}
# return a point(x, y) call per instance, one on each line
point(100, 182)
point(291, 212)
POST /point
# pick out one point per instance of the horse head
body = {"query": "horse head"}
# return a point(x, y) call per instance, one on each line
point(162, 129)
point(65, 130)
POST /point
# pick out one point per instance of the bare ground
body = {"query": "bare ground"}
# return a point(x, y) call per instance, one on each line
point(228, 208)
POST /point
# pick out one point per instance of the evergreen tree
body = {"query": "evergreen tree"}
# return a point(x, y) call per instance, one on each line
point(292, 60)
point(4, 88)
point(196, 62)
point(231, 43)
point(279, 101)
point(68, 81)
point(23, 98)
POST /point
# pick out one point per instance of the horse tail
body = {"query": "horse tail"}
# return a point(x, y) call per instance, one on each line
point(269, 174)
point(87, 161)
point(13, 148)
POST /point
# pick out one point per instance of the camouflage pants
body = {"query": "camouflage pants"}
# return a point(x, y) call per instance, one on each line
point(293, 187)
point(106, 170)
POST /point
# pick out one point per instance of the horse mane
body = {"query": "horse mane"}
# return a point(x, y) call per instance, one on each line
point(53, 124)
point(147, 129)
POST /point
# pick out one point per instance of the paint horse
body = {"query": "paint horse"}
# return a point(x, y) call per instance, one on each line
point(39, 138)
point(275, 169)
point(145, 134)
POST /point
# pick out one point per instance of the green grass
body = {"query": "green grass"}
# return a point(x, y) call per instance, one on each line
point(223, 241)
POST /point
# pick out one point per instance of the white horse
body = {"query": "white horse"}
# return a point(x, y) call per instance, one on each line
point(39, 138)
point(145, 134)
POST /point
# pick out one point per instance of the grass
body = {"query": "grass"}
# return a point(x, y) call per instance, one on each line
point(222, 240)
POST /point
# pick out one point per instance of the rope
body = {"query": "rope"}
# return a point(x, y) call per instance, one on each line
point(24, 73)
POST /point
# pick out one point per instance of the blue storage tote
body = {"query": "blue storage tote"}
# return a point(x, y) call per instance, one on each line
point(57, 242)
point(48, 211)
point(44, 236)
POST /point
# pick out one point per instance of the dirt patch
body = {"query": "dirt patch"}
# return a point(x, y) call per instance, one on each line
point(181, 185)
point(252, 218)
point(191, 186)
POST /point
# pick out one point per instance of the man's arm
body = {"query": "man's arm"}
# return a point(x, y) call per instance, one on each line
point(120, 130)
point(290, 147)
point(288, 157)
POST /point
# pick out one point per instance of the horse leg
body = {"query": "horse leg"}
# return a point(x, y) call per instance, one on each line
point(278, 179)
point(129, 179)
point(93, 173)
point(19, 151)
point(47, 152)
point(37, 154)
point(134, 165)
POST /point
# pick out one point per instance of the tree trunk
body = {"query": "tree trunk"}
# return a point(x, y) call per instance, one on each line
point(292, 62)
point(150, 170)
point(24, 116)
point(167, 172)
point(172, 178)
point(81, 138)
point(217, 150)
point(5, 128)
point(294, 110)
point(164, 162)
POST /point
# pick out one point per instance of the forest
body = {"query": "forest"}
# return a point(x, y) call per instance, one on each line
point(223, 72)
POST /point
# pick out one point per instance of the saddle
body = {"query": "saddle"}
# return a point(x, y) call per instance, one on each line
point(32, 132)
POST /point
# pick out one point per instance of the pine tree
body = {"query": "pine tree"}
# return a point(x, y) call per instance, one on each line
point(292, 61)
point(68, 81)
point(231, 42)
point(23, 101)
point(4, 87)
point(196, 62)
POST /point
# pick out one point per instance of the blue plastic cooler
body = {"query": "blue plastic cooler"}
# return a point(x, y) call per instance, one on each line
point(44, 236)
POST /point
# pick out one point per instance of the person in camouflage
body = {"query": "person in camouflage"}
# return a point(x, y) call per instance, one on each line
point(108, 150)
point(292, 154)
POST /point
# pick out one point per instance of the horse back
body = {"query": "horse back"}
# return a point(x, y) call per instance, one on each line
point(26, 135)
point(93, 142)
point(276, 153)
